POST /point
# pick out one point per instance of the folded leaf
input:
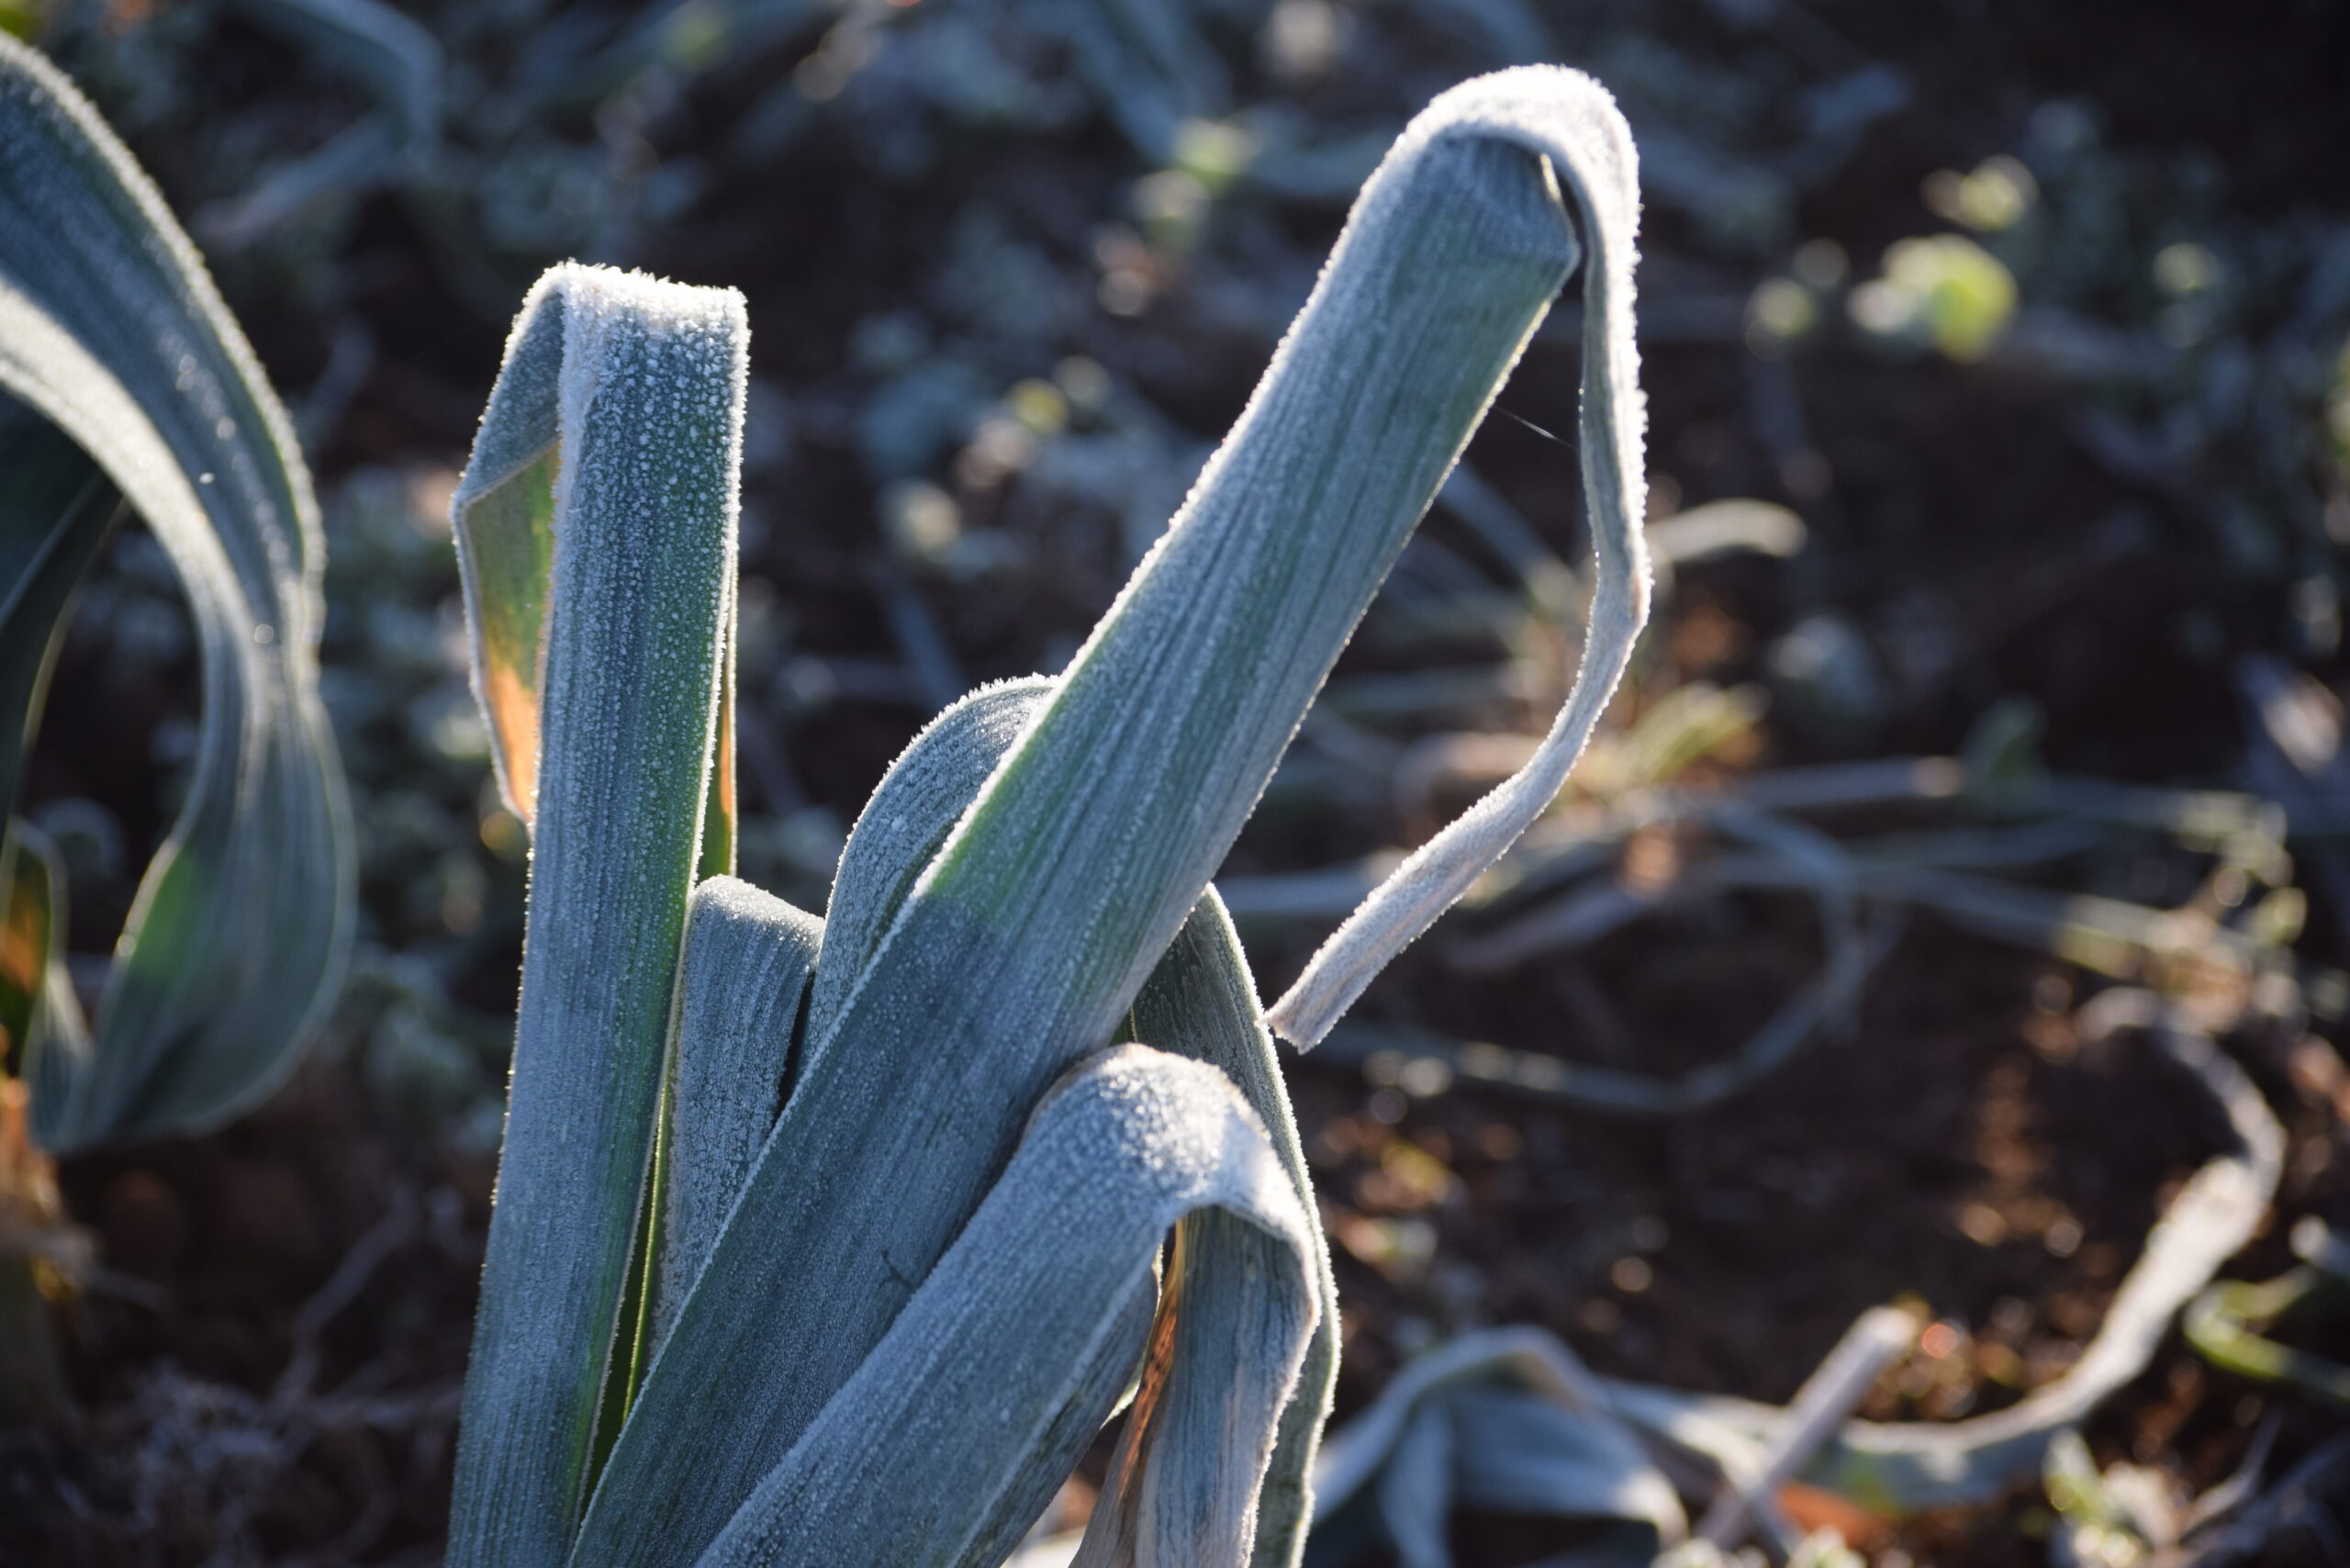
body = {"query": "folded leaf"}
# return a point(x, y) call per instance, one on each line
point(642, 384)
point(913, 1461)
point(111, 329)
point(1591, 151)
point(1201, 1003)
point(1026, 939)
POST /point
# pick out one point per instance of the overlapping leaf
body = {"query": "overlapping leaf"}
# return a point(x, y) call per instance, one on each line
point(628, 394)
point(1199, 1003)
point(1028, 937)
point(925, 1457)
point(744, 977)
point(111, 331)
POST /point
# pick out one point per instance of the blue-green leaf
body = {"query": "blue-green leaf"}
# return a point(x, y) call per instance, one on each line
point(913, 1461)
point(642, 382)
point(1028, 937)
point(748, 957)
point(111, 331)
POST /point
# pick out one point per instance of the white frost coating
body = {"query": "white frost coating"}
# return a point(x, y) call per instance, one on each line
point(1572, 121)
point(1201, 1003)
point(748, 957)
point(548, 378)
point(976, 1372)
point(648, 410)
point(111, 329)
point(1029, 935)
point(912, 810)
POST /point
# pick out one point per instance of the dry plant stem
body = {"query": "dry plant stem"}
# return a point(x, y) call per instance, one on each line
point(1821, 1406)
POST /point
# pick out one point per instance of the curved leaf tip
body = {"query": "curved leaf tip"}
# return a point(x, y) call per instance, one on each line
point(111, 329)
point(515, 483)
point(1571, 122)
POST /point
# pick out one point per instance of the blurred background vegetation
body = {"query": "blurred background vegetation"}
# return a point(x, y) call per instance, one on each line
point(1999, 359)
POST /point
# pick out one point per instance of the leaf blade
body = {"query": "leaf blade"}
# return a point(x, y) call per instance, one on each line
point(112, 330)
point(748, 958)
point(1073, 870)
point(646, 393)
point(979, 1373)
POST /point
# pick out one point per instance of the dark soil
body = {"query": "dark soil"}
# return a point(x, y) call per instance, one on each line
point(1964, 1150)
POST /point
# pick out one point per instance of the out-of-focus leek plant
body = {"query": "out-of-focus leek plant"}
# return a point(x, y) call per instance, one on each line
point(835, 1241)
point(123, 385)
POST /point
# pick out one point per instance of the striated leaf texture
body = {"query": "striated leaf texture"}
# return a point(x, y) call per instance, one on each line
point(1201, 1003)
point(920, 1460)
point(111, 329)
point(1027, 937)
point(748, 957)
point(1590, 151)
point(916, 805)
point(504, 513)
point(642, 384)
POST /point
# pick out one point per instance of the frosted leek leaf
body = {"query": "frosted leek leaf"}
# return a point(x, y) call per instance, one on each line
point(922, 1458)
point(917, 804)
point(1201, 1003)
point(641, 384)
point(111, 331)
point(504, 513)
point(1028, 937)
point(748, 957)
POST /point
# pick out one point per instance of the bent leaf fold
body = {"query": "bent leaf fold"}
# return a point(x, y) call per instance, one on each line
point(1028, 936)
point(642, 384)
point(111, 331)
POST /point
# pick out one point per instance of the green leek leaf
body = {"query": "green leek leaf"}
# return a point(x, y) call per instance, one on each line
point(111, 331)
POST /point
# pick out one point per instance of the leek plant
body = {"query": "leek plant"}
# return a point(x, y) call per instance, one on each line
point(125, 383)
point(124, 386)
point(833, 1241)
